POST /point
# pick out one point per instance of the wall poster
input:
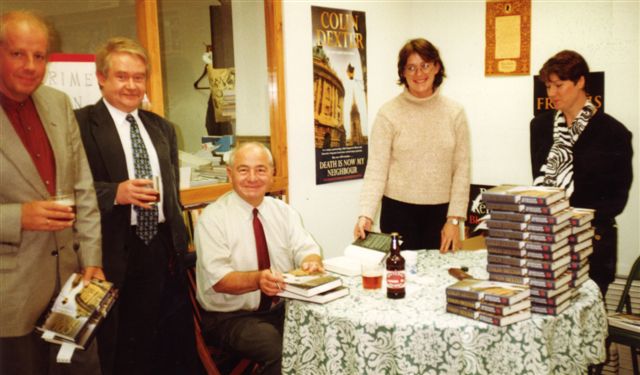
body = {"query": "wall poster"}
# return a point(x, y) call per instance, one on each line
point(508, 37)
point(594, 88)
point(339, 94)
point(75, 75)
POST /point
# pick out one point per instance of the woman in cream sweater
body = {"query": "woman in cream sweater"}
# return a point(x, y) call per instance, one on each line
point(418, 163)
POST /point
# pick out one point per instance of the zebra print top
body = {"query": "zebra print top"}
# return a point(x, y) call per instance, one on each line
point(558, 170)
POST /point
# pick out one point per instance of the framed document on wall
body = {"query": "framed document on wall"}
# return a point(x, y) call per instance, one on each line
point(508, 37)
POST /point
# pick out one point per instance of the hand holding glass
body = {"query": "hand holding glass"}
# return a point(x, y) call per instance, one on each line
point(155, 185)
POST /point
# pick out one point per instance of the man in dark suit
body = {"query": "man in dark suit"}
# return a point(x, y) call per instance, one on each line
point(142, 228)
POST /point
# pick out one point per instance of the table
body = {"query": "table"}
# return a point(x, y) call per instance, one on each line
point(366, 333)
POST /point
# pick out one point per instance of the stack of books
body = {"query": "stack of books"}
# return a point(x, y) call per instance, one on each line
point(312, 287)
point(528, 242)
point(488, 301)
point(581, 242)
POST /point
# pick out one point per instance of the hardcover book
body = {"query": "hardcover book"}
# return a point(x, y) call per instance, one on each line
point(626, 321)
point(462, 311)
point(470, 303)
point(582, 228)
point(548, 265)
point(544, 246)
point(582, 236)
point(547, 228)
point(305, 284)
point(575, 266)
point(550, 310)
point(550, 237)
point(548, 210)
point(506, 269)
point(536, 195)
point(508, 260)
point(505, 243)
point(520, 253)
point(491, 291)
point(497, 309)
point(550, 284)
point(548, 255)
point(77, 311)
point(577, 256)
point(581, 216)
point(506, 233)
point(556, 218)
point(523, 280)
point(505, 224)
point(548, 274)
point(552, 301)
point(576, 247)
point(576, 282)
point(504, 320)
point(510, 216)
point(511, 207)
point(320, 298)
point(548, 293)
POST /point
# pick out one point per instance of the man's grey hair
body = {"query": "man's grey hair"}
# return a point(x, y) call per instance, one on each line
point(262, 146)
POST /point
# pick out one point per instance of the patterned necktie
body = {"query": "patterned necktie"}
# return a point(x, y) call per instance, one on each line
point(263, 256)
point(147, 219)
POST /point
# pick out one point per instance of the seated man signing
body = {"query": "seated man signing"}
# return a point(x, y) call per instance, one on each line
point(241, 240)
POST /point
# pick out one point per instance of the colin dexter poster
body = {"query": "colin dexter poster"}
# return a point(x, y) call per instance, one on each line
point(339, 94)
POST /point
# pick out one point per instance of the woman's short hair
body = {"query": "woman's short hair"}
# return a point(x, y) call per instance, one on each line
point(427, 51)
point(116, 45)
point(567, 65)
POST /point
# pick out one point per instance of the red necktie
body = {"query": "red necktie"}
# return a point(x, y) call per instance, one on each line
point(263, 256)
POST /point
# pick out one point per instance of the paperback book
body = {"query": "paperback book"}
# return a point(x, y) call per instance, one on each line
point(505, 320)
point(370, 250)
point(302, 283)
point(320, 298)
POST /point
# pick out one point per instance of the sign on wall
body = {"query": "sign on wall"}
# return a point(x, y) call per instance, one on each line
point(339, 94)
point(594, 89)
point(75, 75)
point(507, 37)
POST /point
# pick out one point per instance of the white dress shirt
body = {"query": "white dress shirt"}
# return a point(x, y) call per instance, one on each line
point(225, 243)
point(124, 131)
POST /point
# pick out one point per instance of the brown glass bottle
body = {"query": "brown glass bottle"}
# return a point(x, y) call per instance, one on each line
point(395, 270)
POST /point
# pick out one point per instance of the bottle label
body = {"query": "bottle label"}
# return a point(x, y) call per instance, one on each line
point(395, 279)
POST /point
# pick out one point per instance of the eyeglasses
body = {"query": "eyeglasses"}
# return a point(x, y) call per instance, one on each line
point(413, 69)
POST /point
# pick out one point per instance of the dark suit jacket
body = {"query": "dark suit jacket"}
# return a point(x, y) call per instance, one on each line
point(602, 171)
point(108, 165)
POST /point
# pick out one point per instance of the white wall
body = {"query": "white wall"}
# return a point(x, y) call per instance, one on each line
point(499, 108)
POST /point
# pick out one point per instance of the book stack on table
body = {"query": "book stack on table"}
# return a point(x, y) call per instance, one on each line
point(528, 242)
point(492, 302)
point(581, 242)
point(312, 287)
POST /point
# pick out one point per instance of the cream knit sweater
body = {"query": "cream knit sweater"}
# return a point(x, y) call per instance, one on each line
point(419, 154)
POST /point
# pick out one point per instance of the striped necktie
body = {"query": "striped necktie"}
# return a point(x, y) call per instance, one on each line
point(147, 218)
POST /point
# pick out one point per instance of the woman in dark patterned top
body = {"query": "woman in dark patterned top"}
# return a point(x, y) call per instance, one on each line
point(582, 149)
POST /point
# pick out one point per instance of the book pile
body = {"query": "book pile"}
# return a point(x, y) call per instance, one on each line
point(488, 301)
point(76, 312)
point(312, 287)
point(528, 242)
point(581, 242)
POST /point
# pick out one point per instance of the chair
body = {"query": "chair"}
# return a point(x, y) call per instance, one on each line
point(214, 360)
point(624, 336)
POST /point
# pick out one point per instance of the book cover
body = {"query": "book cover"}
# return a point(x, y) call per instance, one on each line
point(550, 283)
point(505, 243)
point(510, 216)
point(547, 228)
point(576, 282)
point(505, 320)
point(577, 256)
point(581, 272)
point(582, 236)
point(76, 311)
point(462, 311)
point(582, 228)
point(548, 210)
point(493, 250)
point(507, 233)
point(581, 216)
point(307, 285)
point(507, 260)
point(552, 301)
point(502, 310)
point(575, 247)
point(486, 290)
point(575, 266)
point(506, 269)
point(546, 246)
point(505, 224)
point(515, 279)
point(557, 218)
point(545, 265)
point(548, 255)
point(548, 293)
point(472, 304)
point(550, 310)
point(511, 207)
point(630, 322)
point(537, 195)
point(541, 274)
point(320, 298)
point(550, 237)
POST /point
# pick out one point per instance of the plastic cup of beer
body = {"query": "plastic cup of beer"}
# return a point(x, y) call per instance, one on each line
point(155, 185)
point(372, 276)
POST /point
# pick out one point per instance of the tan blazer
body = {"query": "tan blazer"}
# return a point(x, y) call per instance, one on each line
point(30, 270)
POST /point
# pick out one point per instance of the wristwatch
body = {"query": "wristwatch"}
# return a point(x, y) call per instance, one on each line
point(454, 221)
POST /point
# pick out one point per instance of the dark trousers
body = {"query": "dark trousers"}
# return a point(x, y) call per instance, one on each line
point(602, 263)
point(149, 330)
point(251, 334)
point(418, 224)
point(31, 355)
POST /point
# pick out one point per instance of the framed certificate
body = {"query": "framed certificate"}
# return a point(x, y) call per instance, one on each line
point(508, 37)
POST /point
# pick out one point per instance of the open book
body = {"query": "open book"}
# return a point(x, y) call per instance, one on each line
point(76, 312)
point(370, 250)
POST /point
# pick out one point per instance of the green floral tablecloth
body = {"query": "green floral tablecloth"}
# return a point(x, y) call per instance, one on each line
point(366, 333)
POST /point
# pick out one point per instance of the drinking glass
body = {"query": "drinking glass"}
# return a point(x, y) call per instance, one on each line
point(372, 276)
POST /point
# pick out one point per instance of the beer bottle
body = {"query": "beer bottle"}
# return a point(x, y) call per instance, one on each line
point(395, 270)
